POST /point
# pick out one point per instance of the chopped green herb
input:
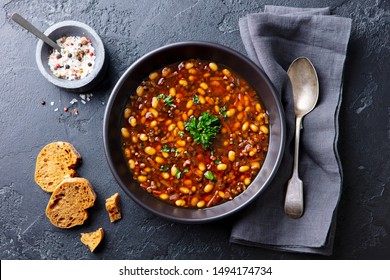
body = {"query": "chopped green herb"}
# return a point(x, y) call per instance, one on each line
point(218, 161)
point(166, 149)
point(181, 133)
point(222, 111)
point(168, 100)
point(164, 168)
point(185, 170)
point(196, 99)
point(178, 174)
point(204, 129)
point(210, 175)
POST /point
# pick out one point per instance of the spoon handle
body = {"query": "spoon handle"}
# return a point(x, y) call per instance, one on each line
point(31, 28)
point(293, 205)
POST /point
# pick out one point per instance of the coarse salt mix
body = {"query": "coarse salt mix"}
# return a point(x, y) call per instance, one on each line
point(76, 59)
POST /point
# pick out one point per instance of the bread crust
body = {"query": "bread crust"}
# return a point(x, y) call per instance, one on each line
point(55, 162)
point(68, 202)
point(92, 239)
point(113, 207)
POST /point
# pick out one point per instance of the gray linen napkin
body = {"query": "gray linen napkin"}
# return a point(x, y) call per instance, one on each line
point(273, 39)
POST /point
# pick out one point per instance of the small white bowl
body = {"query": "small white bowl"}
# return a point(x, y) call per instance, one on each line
point(72, 28)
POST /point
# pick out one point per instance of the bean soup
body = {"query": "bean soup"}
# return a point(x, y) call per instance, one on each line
point(195, 134)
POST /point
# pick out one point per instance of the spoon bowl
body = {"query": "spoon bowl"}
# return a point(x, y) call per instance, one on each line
point(305, 87)
point(304, 82)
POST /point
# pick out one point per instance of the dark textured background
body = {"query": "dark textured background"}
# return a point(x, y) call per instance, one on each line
point(130, 29)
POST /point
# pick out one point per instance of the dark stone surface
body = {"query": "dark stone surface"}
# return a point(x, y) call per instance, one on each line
point(129, 29)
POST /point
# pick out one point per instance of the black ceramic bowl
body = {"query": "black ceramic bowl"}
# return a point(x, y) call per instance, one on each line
point(167, 55)
point(72, 28)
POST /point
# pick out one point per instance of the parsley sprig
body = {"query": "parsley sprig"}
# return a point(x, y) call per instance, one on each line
point(168, 100)
point(196, 99)
point(222, 111)
point(204, 129)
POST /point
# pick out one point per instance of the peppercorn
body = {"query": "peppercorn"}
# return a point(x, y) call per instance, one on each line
point(43, 102)
point(84, 41)
point(69, 55)
point(67, 66)
point(58, 56)
point(89, 64)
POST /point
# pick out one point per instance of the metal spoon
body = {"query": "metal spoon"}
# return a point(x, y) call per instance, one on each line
point(31, 28)
point(304, 82)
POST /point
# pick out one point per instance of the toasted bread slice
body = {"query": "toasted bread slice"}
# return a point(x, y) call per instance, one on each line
point(113, 207)
point(69, 201)
point(55, 162)
point(92, 239)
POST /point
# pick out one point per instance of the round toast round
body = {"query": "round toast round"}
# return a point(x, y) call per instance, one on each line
point(55, 162)
point(69, 202)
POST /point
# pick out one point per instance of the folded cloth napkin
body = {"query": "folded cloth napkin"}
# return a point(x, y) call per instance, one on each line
point(273, 39)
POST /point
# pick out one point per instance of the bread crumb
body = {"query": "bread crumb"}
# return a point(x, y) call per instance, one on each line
point(113, 207)
point(92, 239)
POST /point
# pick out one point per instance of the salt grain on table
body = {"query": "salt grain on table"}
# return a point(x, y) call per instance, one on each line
point(73, 101)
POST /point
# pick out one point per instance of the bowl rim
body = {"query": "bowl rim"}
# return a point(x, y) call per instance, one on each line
point(74, 84)
point(205, 219)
